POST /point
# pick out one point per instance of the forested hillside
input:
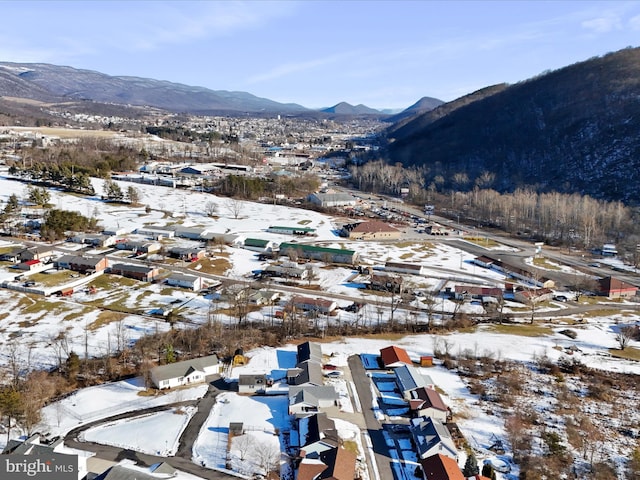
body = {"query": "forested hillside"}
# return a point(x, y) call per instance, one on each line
point(573, 130)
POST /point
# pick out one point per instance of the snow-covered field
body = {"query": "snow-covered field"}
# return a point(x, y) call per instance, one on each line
point(151, 433)
point(38, 322)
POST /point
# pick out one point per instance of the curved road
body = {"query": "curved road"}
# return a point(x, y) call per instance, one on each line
point(182, 459)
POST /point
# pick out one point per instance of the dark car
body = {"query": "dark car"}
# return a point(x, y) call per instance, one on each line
point(560, 298)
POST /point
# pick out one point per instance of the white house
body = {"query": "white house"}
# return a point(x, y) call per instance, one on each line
point(192, 282)
point(306, 400)
point(184, 373)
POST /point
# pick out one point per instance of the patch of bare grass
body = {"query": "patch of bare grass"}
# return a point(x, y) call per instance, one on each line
point(521, 329)
point(105, 318)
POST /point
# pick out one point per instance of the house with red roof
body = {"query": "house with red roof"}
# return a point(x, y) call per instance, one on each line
point(427, 402)
point(440, 467)
point(394, 357)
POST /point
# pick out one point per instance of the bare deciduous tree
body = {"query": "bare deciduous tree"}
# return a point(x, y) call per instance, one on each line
point(234, 207)
point(625, 335)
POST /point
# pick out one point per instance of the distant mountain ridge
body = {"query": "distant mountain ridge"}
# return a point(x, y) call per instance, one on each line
point(571, 130)
point(344, 108)
point(43, 81)
point(54, 83)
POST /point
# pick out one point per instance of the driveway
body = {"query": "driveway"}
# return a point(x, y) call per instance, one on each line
point(182, 460)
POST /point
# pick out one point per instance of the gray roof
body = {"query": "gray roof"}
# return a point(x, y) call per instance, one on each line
point(79, 260)
point(309, 351)
point(429, 432)
point(163, 467)
point(252, 379)
point(125, 267)
point(311, 394)
point(181, 369)
point(409, 378)
point(183, 277)
point(119, 472)
point(306, 372)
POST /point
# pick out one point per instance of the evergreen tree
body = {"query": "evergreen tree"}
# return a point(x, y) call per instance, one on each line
point(12, 204)
point(471, 466)
point(487, 471)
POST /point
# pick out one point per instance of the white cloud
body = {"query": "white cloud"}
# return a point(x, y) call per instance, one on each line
point(604, 24)
point(288, 69)
point(634, 22)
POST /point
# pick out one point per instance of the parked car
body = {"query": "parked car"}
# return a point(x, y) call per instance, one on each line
point(334, 374)
point(560, 298)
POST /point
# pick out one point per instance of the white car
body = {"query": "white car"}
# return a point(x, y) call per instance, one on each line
point(333, 374)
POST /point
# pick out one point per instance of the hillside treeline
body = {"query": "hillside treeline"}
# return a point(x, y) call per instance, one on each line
point(573, 130)
point(556, 218)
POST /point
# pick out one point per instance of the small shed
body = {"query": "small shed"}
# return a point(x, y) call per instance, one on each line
point(426, 361)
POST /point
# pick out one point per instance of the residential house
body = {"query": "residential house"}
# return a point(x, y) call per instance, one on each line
point(156, 232)
point(319, 305)
point(536, 296)
point(138, 272)
point(264, 297)
point(401, 267)
point(286, 270)
point(432, 437)
point(252, 383)
point(304, 400)
point(314, 252)
point(305, 373)
point(309, 351)
point(335, 463)
point(193, 233)
point(157, 471)
point(42, 253)
point(394, 357)
point(95, 240)
point(138, 246)
point(184, 373)
point(31, 265)
point(427, 402)
point(374, 230)
point(316, 427)
point(409, 378)
point(188, 254)
point(11, 254)
point(440, 467)
point(82, 264)
point(192, 282)
point(615, 288)
point(35, 444)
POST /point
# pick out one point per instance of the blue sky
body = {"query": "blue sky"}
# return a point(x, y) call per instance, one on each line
point(318, 53)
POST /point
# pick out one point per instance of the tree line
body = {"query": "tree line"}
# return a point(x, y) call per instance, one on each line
point(556, 218)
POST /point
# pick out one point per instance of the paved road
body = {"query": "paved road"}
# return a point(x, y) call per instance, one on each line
point(182, 460)
point(362, 383)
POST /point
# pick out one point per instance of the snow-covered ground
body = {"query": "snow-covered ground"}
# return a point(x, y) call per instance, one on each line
point(38, 322)
point(263, 419)
point(103, 401)
point(154, 433)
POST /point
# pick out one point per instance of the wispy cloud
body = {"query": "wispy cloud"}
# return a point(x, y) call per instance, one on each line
point(603, 24)
point(291, 68)
point(174, 23)
point(634, 23)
